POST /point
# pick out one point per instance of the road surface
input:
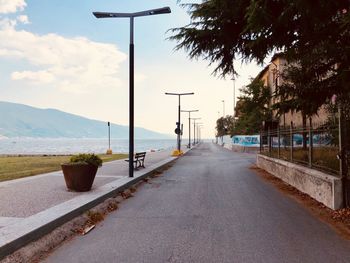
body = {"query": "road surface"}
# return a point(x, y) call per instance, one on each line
point(209, 207)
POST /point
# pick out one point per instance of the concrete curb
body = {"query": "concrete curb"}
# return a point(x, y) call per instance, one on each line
point(15, 236)
point(325, 188)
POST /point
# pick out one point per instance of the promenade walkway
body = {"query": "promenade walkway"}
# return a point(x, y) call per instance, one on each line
point(28, 196)
point(208, 207)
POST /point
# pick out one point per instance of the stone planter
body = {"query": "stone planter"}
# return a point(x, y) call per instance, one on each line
point(79, 177)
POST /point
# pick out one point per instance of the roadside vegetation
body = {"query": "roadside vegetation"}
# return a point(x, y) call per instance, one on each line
point(14, 167)
point(224, 31)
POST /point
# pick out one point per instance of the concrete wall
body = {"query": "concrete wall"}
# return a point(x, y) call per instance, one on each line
point(323, 187)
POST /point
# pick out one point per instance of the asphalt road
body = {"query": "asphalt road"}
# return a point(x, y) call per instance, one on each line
point(209, 207)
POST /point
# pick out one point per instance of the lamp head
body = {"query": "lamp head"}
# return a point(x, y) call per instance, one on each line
point(158, 11)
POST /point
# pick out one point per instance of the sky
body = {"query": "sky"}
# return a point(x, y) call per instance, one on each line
point(56, 54)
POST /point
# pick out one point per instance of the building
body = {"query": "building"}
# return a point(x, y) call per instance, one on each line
point(271, 76)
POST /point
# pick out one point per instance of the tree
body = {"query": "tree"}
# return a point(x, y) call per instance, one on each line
point(224, 125)
point(316, 31)
point(295, 93)
point(215, 32)
point(253, 107)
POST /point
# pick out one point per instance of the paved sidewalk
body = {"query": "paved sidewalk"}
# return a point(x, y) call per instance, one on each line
point(209, 207)
point(28, 196)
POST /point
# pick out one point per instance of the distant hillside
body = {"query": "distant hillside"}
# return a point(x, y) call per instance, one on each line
point(18, 120)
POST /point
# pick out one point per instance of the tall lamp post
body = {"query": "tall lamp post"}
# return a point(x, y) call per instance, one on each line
point(200, 132)
point(178, 126)
point(109, 151)
point(194, 129)
point(223, 108)
point(189, 125)
point(198, 125)
point(234, 95)
point(131, 16)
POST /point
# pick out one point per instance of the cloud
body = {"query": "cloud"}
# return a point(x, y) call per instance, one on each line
point(23, 19)
point(75, 64)
point(11, 6)
point(6, 23)
point(41, 76)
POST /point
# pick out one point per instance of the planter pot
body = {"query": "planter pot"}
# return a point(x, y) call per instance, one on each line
point(79, 177)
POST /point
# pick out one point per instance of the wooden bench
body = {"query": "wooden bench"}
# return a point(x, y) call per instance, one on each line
point(139, 160)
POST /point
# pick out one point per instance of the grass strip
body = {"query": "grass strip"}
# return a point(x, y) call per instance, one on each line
point(14, 167)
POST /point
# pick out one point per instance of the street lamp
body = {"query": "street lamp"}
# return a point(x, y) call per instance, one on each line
point(178, 129)
point(223, 108)
point(198, 125)
point(200, 132)
point(234, 95)
point(194, 129)
point(109, 151)
point(131, 16)
point(189, 125)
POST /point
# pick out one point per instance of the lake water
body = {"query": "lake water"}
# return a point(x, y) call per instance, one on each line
point(71, 146)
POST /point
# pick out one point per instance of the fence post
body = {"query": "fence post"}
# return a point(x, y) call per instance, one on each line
point(279, 142)
point(311, 143)
point(269, 139)
point(261, 142)
point(343, 169)
point(291, 141)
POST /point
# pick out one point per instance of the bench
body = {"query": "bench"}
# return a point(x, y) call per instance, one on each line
point(139, 160)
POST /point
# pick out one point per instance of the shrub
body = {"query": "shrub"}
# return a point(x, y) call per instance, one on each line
point(92, 159)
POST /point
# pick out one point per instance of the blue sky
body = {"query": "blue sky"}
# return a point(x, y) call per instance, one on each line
point(56, 54)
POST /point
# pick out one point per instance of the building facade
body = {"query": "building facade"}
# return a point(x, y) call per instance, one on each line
point(272, 77)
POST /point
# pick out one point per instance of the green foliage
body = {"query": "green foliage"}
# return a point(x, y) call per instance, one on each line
point(253, 108)
point(215, 32)
point(315, 33)
point(92, 159)
point(224, 125)
point(296, 94)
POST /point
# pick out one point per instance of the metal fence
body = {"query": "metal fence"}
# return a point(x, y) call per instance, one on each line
point(314, 145)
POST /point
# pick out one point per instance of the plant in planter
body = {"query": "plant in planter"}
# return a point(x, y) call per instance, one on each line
point(79, 173)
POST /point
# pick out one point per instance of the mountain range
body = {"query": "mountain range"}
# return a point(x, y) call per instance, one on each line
point(18, 120)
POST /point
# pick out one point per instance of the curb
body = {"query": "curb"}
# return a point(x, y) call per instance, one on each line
point(18, 235)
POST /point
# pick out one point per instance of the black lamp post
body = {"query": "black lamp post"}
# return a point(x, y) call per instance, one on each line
point(198, 126)
point(223, 108)
point(194, 129)
point(199, 132)
point(189, 125)
point(234, 95)
point(131, 16)
point(178, 126)
point(109, 150)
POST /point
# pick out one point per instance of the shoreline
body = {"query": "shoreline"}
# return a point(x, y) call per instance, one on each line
point(68, 146)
